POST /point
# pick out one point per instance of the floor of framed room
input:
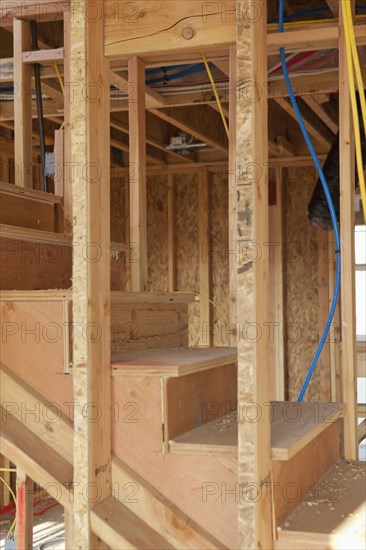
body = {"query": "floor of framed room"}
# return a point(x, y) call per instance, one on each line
point(135, 387)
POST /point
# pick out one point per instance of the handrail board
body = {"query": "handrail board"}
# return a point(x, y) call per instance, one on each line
point(293, 426)
point(40, 196)
point(171, 362)
point(118, 527)
point(332, 514)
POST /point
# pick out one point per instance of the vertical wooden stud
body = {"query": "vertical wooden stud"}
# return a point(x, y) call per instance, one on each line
point(205, 336)
point(24, 527)
point(232, 252)
point(172, 267)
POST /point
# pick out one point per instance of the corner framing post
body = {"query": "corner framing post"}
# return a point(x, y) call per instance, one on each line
point(137, 131)
point(232, 195)
point(66, 169)
point(22, 105)
point(347, 227)
point(254, 454)
point(90, 152)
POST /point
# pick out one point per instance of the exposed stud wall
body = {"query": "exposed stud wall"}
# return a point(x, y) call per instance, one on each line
point(157, 233)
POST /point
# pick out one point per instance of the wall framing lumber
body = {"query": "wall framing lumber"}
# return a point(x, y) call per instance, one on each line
point(232, 193)
point(347, 223)
point(89, 120)
point(67, 173)
point(24, 526)
point(204, 259)
point(254, 453)
point(172, 264)
point(137, 125)
point(325, 377)
point(22, 106)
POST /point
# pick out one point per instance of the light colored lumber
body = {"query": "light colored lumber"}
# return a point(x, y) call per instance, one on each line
point(361, 431)
point(5, 495)
point(33, 235)
point(69, 528)
point(310, 101)
point(44, 56)
point(33, 194)
point(120, 528)
point(232, 195)
point(40, 10)
point(254, 443)
point(324, 365)
point(22, 106)
point(205, 335)
point(347, 228)
point(39, 461)
point(332, 515)
point(361, 409)
point(89, 142)
point(217, 437)
point(59, 163)
point(172, 263)
point(174, 362)
point(137, 124)
point(294, 425)
point(68, 172)
point(16, 210)
point(152, 297)
point(24, 510)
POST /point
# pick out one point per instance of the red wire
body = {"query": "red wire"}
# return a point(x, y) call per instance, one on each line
point(297, 60)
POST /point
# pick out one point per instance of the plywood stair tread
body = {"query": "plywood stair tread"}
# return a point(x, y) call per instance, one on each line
point(25, 192)
point(118, 527)
point(333, 513)
point(293, 426)
point(171, 362)
point(33, 235)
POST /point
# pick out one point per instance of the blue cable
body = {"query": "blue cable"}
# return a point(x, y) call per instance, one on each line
point(330, 205)
point(167, 78)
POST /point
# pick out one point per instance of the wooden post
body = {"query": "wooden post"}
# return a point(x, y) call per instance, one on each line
point(232, 252)
point(69, 528)
point(24, 527)
point(68, 99)
point(90, 153)
point(254, 454)
point(59, 163)
point(172, 267)
point(323, 309)
point(204, 259)
point(4, 492)
point(22, 105)
point(334, 352)
point(129, 250)
point(347, 224)
point(137, 126)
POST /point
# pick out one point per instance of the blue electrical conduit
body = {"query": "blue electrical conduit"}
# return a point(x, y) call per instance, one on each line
point(330, 205)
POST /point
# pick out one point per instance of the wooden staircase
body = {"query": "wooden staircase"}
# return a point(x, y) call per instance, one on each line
point(174, 406)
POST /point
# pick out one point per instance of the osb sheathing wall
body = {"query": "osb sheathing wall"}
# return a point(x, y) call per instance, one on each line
point(302, 252)
point(187, 242)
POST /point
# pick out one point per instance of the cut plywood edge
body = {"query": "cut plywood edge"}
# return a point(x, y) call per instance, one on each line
point(293, 426)
point(118, 527)
point(152, 297)
point(333, 513)
point(171, 362)
point(38, 460)
point(160, 513)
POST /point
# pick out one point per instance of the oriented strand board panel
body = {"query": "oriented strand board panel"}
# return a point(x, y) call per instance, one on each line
point(20, 211)
point(201, 484)
point(34, 346)
point(148, 27)
point(157, 233)
point(300, 283)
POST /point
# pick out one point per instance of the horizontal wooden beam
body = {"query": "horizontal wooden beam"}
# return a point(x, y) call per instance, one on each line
point(44, 56)
point(320, 112)
point(40, 10)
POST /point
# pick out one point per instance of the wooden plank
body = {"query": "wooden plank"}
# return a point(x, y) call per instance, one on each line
point(32, 194)
point(67, 173)
point(347, 217)
point(217, 437)
point(324, 390)
point(310, 101)
point(59, 163)
point(44, 56)
point(41, 10)
point(22, 106)
point(171, 362)
point(232, 194)
point(89, 120)
point(151, 297)
point(205, 336)
point(332, 515)
point(40, 462)
point(172, 264)
point(294, 478)
point(120, 528)
point(24, 212)
point(361, 431)
point(159, 30)
point(147, 325)
point(254, 455)
point(24, 525)
point(32, 332)
point(204, 396)
point(334, 345)
point(137, 124)
point(5, 495)
point(69, 528)
point(33, 235)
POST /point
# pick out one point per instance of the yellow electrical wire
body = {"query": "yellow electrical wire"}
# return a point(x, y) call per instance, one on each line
point(12, 527)
point(295, 24)
point(356, 123)
point(216, 94)
point(356, 61)
point(219, 309)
